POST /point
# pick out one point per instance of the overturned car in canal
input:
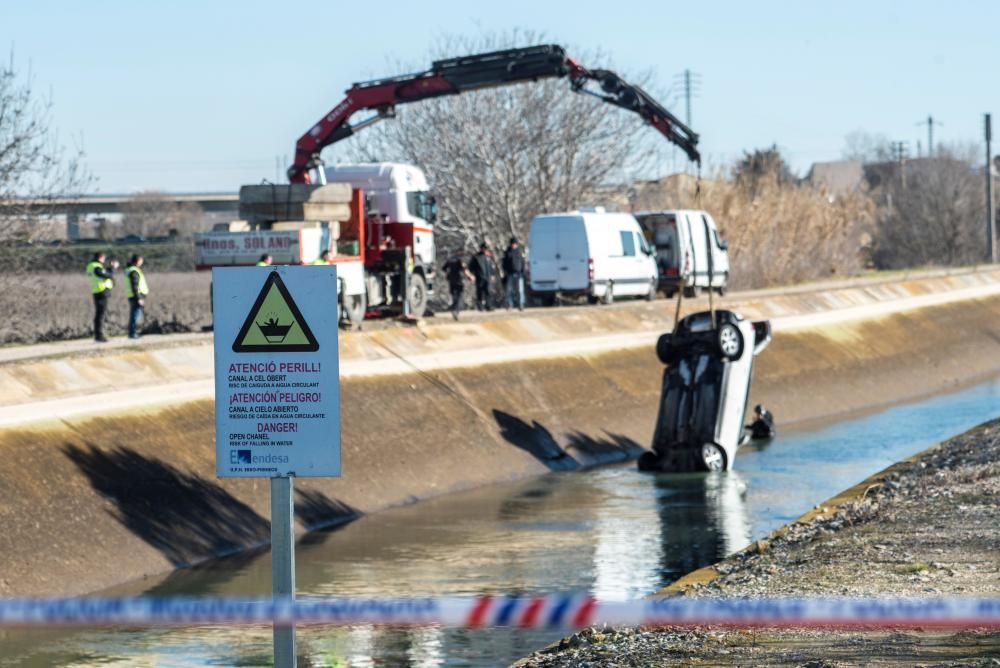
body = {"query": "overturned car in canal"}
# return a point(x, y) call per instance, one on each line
point(706, 385)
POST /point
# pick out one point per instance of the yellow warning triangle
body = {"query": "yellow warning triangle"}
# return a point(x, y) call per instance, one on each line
point(275, 324)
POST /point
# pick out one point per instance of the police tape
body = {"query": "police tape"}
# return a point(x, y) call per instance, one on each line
point(551, 612)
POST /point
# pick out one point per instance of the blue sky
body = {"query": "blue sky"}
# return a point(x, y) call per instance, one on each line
point(204, 96)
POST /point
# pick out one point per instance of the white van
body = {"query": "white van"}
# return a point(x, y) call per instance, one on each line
point(590, 252)
point(689, 252)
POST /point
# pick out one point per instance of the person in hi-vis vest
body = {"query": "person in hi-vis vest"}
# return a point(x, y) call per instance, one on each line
point(137, 289)
point(100, 287)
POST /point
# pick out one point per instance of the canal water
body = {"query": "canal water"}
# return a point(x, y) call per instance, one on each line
point(612, 531)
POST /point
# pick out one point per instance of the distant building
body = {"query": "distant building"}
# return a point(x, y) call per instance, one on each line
point(838, 177)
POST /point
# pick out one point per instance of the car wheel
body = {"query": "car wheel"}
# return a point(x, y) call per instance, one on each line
point(609, 294)
point(665, 351)
point(730, 341)
point(692, 291)
point(712, 457)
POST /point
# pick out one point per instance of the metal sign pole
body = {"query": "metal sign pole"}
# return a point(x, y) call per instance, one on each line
point(283, 565)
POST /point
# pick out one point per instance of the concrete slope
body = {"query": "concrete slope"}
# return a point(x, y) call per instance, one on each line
point(94, 500)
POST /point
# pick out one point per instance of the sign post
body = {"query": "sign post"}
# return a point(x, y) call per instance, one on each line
point(277, 397)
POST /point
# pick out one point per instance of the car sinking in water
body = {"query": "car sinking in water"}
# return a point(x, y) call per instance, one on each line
point(706, 386)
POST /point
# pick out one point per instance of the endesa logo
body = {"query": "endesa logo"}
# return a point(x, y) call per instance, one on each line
point(246, 458)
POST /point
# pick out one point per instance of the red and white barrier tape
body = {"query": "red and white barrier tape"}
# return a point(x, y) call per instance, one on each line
point(555, 612)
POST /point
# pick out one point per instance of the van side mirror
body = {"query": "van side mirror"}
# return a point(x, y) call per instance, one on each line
point(724, 245)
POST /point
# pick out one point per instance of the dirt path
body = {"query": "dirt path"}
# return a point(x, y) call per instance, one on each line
point(929, 526)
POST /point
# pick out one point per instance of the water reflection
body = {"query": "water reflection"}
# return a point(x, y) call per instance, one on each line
point(613, 531)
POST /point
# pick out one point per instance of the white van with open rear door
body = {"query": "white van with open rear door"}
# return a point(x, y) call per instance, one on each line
point(590, 252)
point(690, 254)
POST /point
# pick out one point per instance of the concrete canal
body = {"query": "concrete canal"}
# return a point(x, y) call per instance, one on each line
point(612, 531)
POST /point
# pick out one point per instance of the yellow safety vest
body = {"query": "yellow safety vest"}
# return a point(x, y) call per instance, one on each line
point(320, 260)
point(143, 287)
point(262, 264)
point(97, 284)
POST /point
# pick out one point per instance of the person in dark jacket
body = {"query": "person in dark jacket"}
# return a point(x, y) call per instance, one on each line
point(513, 274)
point(101, 282)
point(456, 272)
point(483, 270)
point(763, 423)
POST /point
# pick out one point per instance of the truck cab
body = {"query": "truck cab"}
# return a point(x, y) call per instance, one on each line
point(399, 209)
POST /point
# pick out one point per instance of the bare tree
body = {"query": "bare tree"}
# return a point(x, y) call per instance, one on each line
point(931, 212)
point(779, 232)
point(867, 147)
point(34, 170)
point(34, 167)
point(498, 157)
point(152, 214)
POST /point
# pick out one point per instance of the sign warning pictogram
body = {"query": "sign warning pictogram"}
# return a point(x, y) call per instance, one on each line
point(275, 324)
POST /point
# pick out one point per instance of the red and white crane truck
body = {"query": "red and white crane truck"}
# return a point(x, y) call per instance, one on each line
point(378, 219)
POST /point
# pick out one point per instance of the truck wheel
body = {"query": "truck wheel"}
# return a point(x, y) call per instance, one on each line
point(692, 291)
point(651, 295)
point(730, 341)
point(712, 457)
point(418, 295)
point(609, 294)
point(355, 308)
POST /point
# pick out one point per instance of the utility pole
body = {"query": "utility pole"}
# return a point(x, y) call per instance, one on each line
point(930, 123)
point(690, 82)
point(899, 154)
point(991, 230)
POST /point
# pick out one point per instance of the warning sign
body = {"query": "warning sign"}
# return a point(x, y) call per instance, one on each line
point(274, 324)
point(277, 375)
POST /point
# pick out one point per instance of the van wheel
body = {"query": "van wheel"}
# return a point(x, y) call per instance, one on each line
point(651, 295)
point(692, 291)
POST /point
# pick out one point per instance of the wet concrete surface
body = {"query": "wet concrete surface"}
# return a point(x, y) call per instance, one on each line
point(612, 531)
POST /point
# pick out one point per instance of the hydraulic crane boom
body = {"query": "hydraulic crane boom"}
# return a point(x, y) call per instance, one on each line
point(485, 70)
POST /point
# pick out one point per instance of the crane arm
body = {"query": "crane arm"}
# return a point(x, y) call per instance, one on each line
point(467, 73)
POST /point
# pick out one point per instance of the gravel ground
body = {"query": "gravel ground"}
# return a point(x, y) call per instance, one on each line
point(931, 528)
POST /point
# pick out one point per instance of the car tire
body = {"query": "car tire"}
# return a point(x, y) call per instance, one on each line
point(651, 295)
point(712, 458)
point(609, 294)
point(692, 291)
point(665, 350)
point(648, 461)
point(729, 340)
